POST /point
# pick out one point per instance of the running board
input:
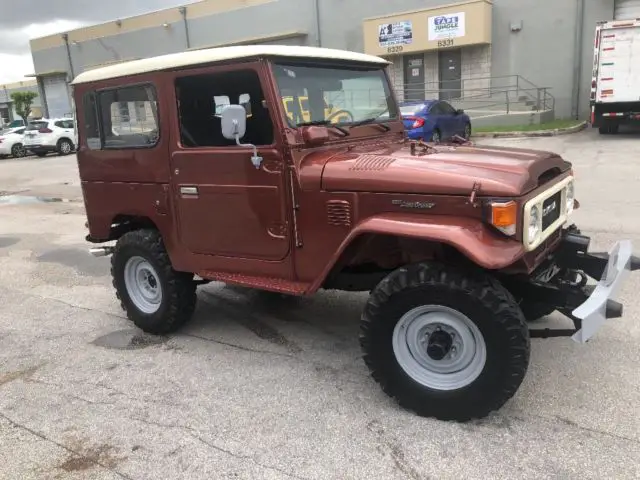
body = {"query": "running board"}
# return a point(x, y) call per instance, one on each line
point(271, 284)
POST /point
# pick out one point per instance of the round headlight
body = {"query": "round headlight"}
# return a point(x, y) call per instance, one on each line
point(570, 197)
point(534, 225)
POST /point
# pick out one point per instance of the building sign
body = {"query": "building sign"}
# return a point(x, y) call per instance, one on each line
point(450, 25)
point(392, 34)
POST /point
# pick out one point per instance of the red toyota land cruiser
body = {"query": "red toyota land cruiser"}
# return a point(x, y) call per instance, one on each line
point(192, 166)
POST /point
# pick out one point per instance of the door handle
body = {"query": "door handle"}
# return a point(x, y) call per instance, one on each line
point(189, 191)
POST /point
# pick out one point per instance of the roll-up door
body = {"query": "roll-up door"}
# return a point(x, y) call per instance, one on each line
point(626, 9)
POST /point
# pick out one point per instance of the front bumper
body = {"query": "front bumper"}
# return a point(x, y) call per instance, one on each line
point(599, 306)
point(561, 283)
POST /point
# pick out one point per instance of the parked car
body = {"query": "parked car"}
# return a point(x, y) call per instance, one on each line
point(434, 120)
point(11, 143)
point(50, 135)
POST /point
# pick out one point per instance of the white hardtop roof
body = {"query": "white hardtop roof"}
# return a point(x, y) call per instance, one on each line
point(212, 55)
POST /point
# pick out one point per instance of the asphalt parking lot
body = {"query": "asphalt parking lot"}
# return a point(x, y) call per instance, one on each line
point(260, 387)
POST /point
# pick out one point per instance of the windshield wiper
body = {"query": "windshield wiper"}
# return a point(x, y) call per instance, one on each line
point(324, 123)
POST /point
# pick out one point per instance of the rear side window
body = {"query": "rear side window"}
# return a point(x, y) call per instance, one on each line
point(64, 124)
point(91, 126)
point(121, 118)
point(36, 126)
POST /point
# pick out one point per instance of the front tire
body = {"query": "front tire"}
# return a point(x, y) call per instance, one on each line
point(18, 151)
point(64, 147)
point(157, 298)
point(445, 343)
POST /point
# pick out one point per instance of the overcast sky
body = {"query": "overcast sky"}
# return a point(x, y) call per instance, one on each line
point(21, 20)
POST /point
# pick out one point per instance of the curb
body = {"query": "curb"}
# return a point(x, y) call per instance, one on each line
point(533, 133)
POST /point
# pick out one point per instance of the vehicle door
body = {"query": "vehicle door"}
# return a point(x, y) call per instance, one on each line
point(451, 119)
point(437, 119)
point(225, 205)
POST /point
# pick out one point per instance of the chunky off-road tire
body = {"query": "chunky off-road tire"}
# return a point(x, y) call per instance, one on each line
point(64, 147)
point(140, 267)
point(492, 317)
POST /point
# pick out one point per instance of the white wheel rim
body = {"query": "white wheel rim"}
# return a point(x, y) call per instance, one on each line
point(420, 340)
point(143, 285)
point(65, 147)
point(436, 137)
point(467, 131)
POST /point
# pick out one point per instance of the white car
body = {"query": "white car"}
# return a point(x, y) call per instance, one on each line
point(11, 143)
point(50, 135)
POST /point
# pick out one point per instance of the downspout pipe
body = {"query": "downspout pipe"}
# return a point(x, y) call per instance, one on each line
point(577, 59)
point(183, 12)
point(65, 37)
point(318, 32)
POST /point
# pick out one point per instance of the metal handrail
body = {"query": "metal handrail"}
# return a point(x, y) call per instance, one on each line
point(511, 88)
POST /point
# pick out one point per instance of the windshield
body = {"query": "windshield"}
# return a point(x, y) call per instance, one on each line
point(338, 95)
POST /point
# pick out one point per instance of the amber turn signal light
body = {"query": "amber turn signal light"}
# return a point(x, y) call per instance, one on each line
point(504, 216)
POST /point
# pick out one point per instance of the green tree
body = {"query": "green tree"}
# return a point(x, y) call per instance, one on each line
point(22, 103)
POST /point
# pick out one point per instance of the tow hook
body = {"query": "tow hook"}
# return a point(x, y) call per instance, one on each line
point(101, 251)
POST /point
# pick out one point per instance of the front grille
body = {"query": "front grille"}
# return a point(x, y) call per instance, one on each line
point(551, 210)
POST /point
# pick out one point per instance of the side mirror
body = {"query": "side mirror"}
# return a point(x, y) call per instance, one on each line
point(233, 120)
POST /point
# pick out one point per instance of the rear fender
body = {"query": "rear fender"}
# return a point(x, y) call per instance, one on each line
point(474, 239)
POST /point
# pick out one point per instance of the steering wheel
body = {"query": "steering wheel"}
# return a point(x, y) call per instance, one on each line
point(335, 114)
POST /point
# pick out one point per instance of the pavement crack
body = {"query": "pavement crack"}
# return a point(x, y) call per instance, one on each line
point(194, 433)
point(62, 446)
point(68, 304)
point(246, 457)
point(236, 346)
point(583, 428)
point(394, 451)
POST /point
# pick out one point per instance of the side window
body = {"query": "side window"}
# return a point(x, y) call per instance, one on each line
point(435, 109)
point(91, 128)
point(129, 117)
point(67, 124)
point(201, 99)
point(58, 124)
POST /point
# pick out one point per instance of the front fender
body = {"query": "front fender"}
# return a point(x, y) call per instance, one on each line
point(471, 237)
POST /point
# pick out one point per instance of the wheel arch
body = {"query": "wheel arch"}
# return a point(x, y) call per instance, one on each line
point(459, 238)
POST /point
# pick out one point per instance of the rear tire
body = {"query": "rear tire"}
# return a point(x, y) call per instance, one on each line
point(467, 131)
point(157, 298)
point(398, 337)
point(436, 136)
point(64, 147)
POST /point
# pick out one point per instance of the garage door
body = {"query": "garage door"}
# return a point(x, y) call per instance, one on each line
point(57, 95)
point(626, 9)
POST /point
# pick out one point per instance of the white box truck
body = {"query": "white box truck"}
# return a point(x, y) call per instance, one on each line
point(615, 86)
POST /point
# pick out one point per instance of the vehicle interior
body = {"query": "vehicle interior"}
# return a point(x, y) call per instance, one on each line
point(201, 98)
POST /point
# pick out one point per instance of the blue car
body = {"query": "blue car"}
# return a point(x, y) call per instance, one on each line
point(434, 120)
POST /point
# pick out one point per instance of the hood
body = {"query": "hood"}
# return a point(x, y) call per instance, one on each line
point(448, 170)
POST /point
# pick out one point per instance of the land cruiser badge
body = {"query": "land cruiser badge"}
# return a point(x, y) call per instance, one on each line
point(414, 205)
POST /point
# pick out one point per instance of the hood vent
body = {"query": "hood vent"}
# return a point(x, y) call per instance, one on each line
point(372, 162)
point(339, 213)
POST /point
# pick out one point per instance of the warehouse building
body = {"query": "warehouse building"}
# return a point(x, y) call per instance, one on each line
point(498, 52)
point(7, 108)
